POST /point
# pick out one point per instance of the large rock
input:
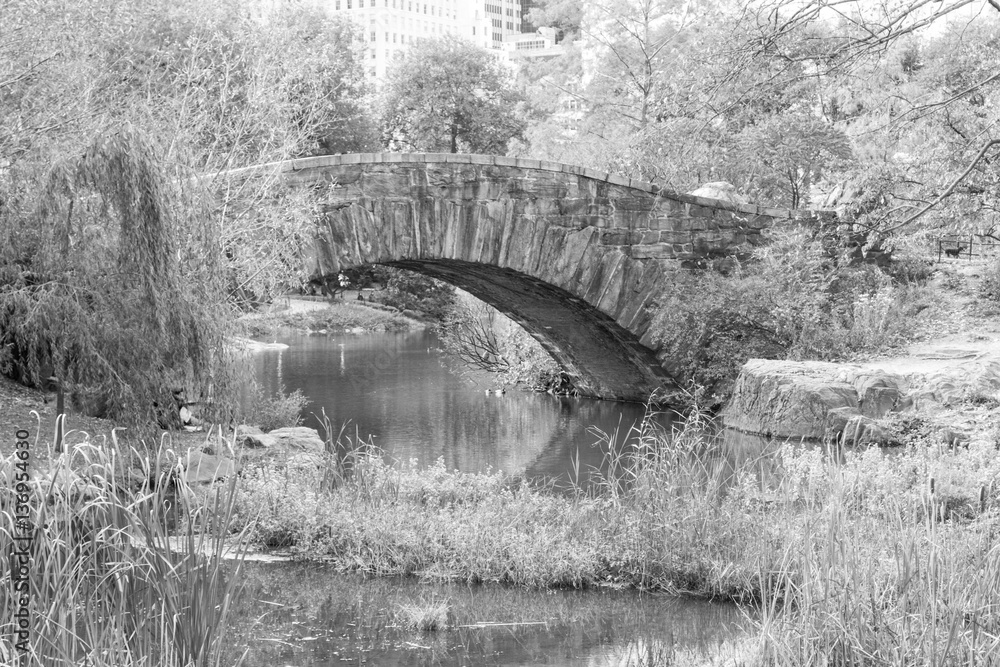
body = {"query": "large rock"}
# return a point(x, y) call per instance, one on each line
point(291, 440)
point(812, 399)
point(197, 467)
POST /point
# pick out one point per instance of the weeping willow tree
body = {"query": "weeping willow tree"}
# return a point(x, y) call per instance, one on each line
point(114, 285)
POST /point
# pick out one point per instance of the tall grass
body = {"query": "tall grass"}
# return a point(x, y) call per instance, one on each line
point(660, 525)
point(862, 557)
point(109, 584)
point(893, 560)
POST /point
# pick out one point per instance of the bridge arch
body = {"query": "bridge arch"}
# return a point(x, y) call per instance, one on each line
point(577, 257)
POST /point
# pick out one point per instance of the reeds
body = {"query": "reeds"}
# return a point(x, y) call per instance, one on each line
point(109, 582)
point(882, 568)
point(658, 523)
point(863, 557)
point(427, 616)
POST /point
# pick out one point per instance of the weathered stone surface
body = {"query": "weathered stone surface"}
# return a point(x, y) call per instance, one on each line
point(825, 400)
point(289, 439)
point(785, 399)
point(576, 256)
point(199, 468)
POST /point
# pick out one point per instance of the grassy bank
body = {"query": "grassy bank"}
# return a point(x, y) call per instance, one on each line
point(110, 581)
point(329, 317)
point(848, 559)
point(867, 557)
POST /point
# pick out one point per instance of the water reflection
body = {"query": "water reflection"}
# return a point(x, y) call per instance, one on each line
point(306, 616)
point(397, 389)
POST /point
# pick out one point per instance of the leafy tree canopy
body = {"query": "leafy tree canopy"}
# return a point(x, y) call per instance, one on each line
point(448, 95)
point(124, 241)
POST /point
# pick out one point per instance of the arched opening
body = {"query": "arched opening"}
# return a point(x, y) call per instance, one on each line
point(602, 359)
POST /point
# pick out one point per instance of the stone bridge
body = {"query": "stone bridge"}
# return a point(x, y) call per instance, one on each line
point(577, 257)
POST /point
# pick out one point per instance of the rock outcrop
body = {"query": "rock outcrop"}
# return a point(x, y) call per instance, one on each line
point(293, 439)
point(810, 399)
point(816, 400)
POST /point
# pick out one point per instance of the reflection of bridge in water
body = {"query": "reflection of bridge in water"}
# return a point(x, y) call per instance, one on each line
point(577, 257)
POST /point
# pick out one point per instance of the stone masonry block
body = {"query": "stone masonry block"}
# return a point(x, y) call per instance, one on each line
point(662, 251)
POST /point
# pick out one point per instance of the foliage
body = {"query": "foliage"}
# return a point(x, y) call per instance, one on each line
point(99, 290)
point(482, 338)
point(848, 554)
point(340, 316)
point(408, 290)
point(109, 585)
point(793, 152)
point(449, 95)
point(210, 85)
point(989, 286)
point(564, 15)
point(792, 300)
point(278, 410)
point(123, 234)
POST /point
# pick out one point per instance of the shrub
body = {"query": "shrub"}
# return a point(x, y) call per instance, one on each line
point(989, 285)
point(790, 301)
point(279, 410)
point(407, 290)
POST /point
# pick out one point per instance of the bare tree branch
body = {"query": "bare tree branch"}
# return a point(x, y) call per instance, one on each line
point(949, 191)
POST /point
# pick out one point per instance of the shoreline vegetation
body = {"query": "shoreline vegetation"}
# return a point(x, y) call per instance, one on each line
point(845, 557)
point(863, 556)
point(314, 315)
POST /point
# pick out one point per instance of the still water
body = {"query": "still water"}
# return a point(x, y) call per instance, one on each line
point(399, 390)
point(306, 616)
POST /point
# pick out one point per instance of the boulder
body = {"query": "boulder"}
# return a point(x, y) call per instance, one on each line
point(289, 439)
point(787, 399)
point(861, 430)
point(954, 384)
point(879, 392)
point(197, 467)
point(814, 400)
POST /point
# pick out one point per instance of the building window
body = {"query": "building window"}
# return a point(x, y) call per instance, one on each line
point(373, 35)
point(336, 6)
point(348, 4)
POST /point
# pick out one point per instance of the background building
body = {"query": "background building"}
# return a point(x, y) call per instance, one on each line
point(389, 27)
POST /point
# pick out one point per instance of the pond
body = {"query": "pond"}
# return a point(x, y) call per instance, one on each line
point(399, 390)
point(306, 616)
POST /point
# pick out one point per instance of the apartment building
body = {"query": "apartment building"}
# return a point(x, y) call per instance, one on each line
point(389, 27)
